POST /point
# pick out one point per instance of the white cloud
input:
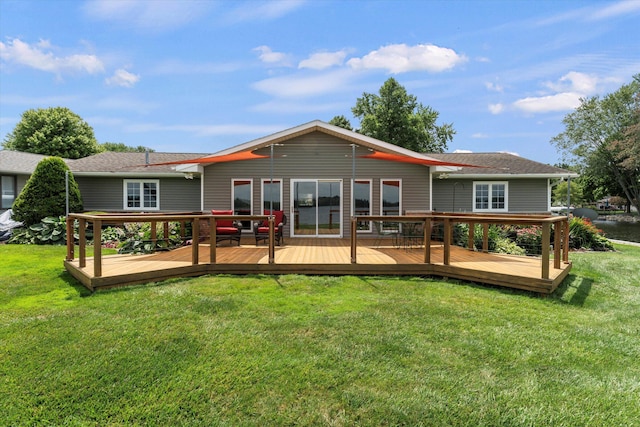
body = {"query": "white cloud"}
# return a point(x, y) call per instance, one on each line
point(292, 87)
point(479, 135)
point(153, 16)
point(496, 108)
point(263, 11)
point(574, 82)
point(513, 153)
point(461, 151)
point(40, 56)
point(613, 10)
point(569, 89)
point(322, 60)
point(543, 104)
point(400, 58)
point(123, 78)
point(270, 57)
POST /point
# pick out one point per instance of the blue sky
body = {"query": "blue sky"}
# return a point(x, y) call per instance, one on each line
point(201, 76)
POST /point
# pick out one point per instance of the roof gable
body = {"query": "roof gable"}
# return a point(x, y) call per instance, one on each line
point(323, 127)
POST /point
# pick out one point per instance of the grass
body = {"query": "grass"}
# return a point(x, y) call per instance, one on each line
point(297, 350)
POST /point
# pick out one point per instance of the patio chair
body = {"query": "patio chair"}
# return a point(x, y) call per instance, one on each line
point(387, 230)
point(227, 229)
point(261, 229)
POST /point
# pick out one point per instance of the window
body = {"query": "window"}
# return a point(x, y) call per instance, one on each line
point(390, 197)
point(361, 203)
point(140, 194)
point(490, 197)
point(272, 194)
point(8, 191)
point(242, 189)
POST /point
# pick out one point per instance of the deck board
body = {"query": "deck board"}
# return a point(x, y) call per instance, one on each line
point(322, 256)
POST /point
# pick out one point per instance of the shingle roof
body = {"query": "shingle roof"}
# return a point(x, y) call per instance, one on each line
point(115, 162)
point(18, 162)
point(499, 164)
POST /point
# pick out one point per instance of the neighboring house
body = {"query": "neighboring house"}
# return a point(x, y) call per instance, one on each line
point(15, 169)
point(506, 184)
point(121, 182)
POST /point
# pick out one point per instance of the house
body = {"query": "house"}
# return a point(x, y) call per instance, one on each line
point(319, 175)
point(15, 169)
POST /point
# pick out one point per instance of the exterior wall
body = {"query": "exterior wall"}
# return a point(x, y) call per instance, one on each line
point(106, 194)
point(525, 195)
point(316, 156)
point(20, 181)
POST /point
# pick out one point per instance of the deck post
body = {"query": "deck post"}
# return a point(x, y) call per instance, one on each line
point(354, 232)
point(565, 246)
point(82, 244)
point(213, 241)
point(154, 234)
point(69, 239)
point(272, 240)
point(546, 242)
point(447, 241)
point(97, 248)
point(485, 237)
point(427, 240)
point(557, 245)
point(195, 239)
point(471, 238)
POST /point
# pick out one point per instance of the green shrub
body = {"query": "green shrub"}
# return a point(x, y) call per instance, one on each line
point(530, 238)
point(584, 235)
point(44, 194)
point(137, 238)
point(50, 231)
point(504, 245)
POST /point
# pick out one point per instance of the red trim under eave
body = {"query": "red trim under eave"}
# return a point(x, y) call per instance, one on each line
point(378, 155)
point(233, 157)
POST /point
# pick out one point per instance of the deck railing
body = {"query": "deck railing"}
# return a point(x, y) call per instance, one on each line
point(97, 222)
point(560, 229)
point(560, 226)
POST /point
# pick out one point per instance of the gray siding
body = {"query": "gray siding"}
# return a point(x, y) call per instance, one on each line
point(106, 194)
point(316, 156)
point(525, 195)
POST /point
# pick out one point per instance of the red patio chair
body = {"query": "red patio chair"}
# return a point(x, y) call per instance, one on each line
point(227, 229)
point(261, 229)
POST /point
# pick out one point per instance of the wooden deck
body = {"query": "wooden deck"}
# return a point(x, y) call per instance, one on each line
point(326, 257)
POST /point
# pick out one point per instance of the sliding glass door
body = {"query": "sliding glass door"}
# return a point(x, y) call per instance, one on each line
point(317, 207)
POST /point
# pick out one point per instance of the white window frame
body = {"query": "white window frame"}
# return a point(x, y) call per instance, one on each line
point(246, 225)
point(382, 181)
point(353, 202)
point(262, 195)
point(491, 185)
point(141, 183)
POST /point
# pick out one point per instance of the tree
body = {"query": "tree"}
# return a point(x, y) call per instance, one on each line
point(341, 121)
point(53, 131)
point(602, 135)
point(122, 148)
point(396, 117)
point(560, 195)
point(44, 194)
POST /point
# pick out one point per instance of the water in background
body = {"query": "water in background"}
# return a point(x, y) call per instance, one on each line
point(618, 230)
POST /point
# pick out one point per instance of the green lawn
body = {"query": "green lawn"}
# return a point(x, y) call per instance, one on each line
point(296, 350)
